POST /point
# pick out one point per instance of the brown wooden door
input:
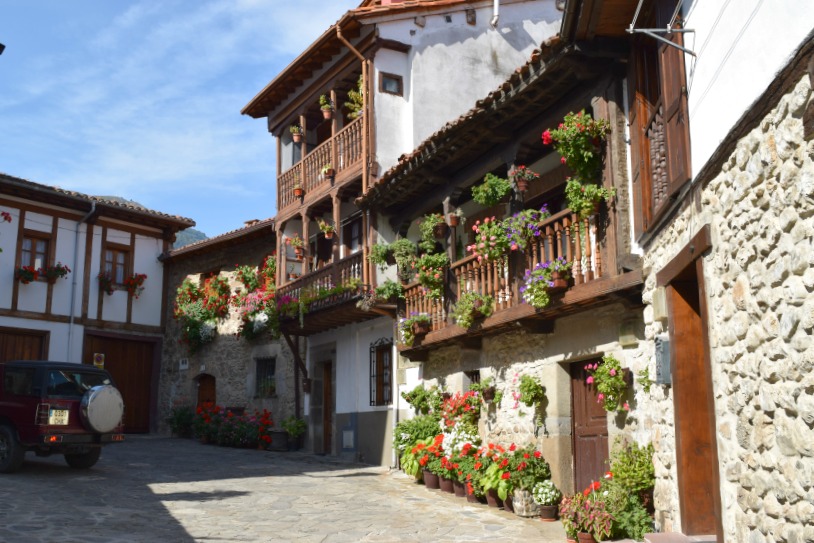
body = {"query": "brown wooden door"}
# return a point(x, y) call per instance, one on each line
point(207, 390)
point(23, 345)
point(696, 443)
point(130, 363)
point(589, 431)
point(327, 407)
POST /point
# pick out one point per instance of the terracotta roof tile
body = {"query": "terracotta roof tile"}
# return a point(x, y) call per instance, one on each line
point(404, 5)
point(231, 235)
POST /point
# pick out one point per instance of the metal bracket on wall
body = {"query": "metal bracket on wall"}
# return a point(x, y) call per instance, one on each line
point(668, 30)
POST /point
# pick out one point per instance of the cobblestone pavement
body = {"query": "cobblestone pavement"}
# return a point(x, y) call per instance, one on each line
point(156, 489)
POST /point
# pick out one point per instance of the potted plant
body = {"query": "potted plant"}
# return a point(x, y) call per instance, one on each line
point(291, 274)
point(585, 515)
point(133, 284)
point(295, 427)
point(491, 240)
point(491, 190)
point(487, 390)
point(456, 218)
point(522, 176)
point(26, 274)
point(431, 227)
point(326, 106)
point(431, 269)
point(472, 305)
point(298, 191)
point(536, 283)
point(356, 101)
point(328, 171)
point(296, 132)
point(560, 273)
point(415, 326)
point(327, 228)
point(608, 379)
point(381, 255)
point(52, 273)
point(584, 198)
point(390, 290)
point(105, 282)
point(548, 497)
point(525, 226)
point(297, 243)
point(403, 251)
point(528, 467)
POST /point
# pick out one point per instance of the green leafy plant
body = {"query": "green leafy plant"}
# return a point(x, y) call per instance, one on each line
point(427, 226)
point(491, 190)
point(491, 241)
point(578, 140)
point(537, 281)
point(295, 241)
point(409, 432)
point(546, 493)
point(608, 379)
point(325, 102)
point(295, 129)
point(528, 467)
point(497, 475)
point(643, 376)
point(532, 393)
point(248, 275)
point(407, 327)
point(326, 227)
point(390, 290)
point(379, 254)
point(105, 282)
point(294, 426)
point(52, 273)
point(472, 305)
point(356, 101)
point(424, 401)
point(583, 198)
point(487, 385)
point(632, 466)
point(181, 419)
point(26, 274)
point(430, 270)
point(522, 174)
point(524, 226)
point(404, 251)
point(199, 308)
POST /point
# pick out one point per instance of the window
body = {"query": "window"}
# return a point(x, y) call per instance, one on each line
point(19, 381)
point(659, 131)
point(391, 84)
point(381, 372)
point(266, 383)
point(115, 264)
point(35, 251)
point(352, 236)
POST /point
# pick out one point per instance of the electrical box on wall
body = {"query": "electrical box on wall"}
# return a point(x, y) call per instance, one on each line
point(663, 374)
point(183, 364)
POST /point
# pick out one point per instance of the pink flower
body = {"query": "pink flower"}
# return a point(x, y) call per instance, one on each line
point(626, 406)
point(613, 372)
point(589, 380)
point(562, 160)
point(547, 138)
point(600, 397)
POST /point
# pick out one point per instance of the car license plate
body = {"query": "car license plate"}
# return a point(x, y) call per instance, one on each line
point(58, 417)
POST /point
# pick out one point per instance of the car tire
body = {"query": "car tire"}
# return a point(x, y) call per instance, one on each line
point(84, 460)
point(11, 452)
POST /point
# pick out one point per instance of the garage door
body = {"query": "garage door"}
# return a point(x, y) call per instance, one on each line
point(16, 344)
point(130, 362)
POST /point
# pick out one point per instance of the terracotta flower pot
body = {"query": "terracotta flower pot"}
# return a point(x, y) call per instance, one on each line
point(459, 489)
point(548, 513)
point(453, 219)
point(492, 499)
point(421, 328)
point(471, 497)
point(440, 230)
point(329, 235)
point(584, 537)
point(298, 192)
point(297, 137)
point(431, 480)
point(522, 185)
point(446, 485)
point(559, 282)
point(327, 113)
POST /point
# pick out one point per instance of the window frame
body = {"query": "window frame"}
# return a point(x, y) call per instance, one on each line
point(381, 372)
point(397, 78)
point(35, 236)
point(126, 266)
point(260, 364)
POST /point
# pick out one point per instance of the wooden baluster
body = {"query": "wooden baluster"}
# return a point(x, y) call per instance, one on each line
point(597, 257)
point(589, 270)
point(577, 267)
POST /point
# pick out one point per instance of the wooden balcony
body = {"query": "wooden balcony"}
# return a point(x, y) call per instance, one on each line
point(565, 235)
point(330, 294)
point(343, 152)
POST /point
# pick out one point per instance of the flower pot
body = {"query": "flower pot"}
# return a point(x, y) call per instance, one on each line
point(297, 137)
point(299, 252)
point(298, 192)
point(293, 276)
point(489, 393)
point(522, 185)
point(471, 497)
point(421, 328)
point(585, 537)
point(327, 113)
point(329, 172)
point(508, 504)
point(459, 489)
point(279, 440)
point(431, 480)
point(492, 499)
point(329, 235)
point(453, 219)
point(446, 485)
point(558, 281)
point(440, 230)
point(548, 513)
point(523, 504)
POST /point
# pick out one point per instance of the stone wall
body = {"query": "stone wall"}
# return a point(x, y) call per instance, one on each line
point(508, 356)
point(229, 359)
point(759, 278)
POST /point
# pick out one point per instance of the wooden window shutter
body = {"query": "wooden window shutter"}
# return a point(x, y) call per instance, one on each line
point(637, 119)
point(676, 118)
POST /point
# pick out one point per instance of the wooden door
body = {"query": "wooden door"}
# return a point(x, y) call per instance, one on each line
point(130, 363)
point(589, 430)
point(207, 390)
point(327, 407)
point(23, 345)
point(696, 443)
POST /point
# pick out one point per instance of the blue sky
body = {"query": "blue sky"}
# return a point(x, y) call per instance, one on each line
point(142, 99)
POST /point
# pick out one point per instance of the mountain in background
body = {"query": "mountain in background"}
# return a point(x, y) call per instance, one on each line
point(184, 237)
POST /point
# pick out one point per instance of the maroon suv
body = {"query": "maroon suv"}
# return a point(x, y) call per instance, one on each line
point(57, 408)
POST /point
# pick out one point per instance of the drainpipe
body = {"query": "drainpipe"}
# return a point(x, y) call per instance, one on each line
point(495, 13)
point(73, 281)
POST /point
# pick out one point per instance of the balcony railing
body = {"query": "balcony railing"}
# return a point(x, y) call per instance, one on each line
point(564, 235)
point(342, 151)
point(334, 284)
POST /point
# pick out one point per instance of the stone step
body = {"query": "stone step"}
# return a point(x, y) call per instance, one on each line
point(673, 537)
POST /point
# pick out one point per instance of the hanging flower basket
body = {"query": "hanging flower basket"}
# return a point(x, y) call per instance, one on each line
point(133, 284)
point(105, 283)
point(421, 328)
point(52, 273)
point(26, 274)
point(298, 192)
point(297, 137)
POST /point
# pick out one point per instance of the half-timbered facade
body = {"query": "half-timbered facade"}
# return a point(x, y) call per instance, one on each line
point(72, 291)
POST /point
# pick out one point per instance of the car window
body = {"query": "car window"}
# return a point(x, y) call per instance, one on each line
point(73, 384)
point(19, 381)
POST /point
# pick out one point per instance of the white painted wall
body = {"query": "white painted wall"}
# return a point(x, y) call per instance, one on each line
point(740, 46)
point(147, 307)
point(352, 360)
point(451, 65)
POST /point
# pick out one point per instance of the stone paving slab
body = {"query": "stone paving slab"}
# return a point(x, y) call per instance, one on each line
point(156, 489)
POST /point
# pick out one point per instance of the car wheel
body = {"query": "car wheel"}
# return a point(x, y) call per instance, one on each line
point(84, 460)
point(11, 453)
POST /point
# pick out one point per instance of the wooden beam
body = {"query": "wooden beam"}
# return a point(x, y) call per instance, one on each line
point(700, 243)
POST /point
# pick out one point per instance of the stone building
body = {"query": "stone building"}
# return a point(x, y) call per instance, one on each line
point(230, 370)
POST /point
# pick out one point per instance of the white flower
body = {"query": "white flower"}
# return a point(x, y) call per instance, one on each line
point(207, 331)
point(259, 322)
